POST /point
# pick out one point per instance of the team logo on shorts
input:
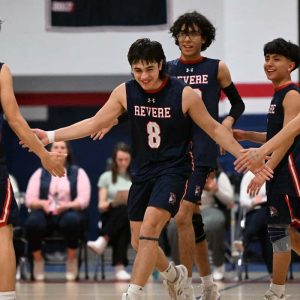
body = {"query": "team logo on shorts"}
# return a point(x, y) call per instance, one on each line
point(172, 198)
point(197, 190)
point(273, 211)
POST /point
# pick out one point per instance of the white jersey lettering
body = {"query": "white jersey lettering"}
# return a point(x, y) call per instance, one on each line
point(155, 112)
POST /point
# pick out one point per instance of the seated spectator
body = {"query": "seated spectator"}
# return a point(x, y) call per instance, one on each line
point(217, 187)
point(255, 220)
point(113, 187)
point(57, 204)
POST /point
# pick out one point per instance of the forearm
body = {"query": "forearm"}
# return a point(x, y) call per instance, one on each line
point(76, 205)
point(285, 136)
point(24, 133)
point(36, 204)
point(225, 139)
point(228, 122)
point(256, 137)
point(278, 155)
point(77, 130)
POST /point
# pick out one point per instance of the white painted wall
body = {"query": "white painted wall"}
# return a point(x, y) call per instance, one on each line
point(243, 27)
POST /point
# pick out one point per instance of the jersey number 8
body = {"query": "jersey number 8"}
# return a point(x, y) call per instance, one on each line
point(154, 138)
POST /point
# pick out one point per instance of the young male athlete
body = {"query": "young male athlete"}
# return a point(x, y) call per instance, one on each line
point(159, 109)
point(283, 191)
point(194, 33)
point(8, 205)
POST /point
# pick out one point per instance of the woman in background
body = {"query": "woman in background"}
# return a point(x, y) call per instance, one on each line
point(113, 187)
point(57, 204)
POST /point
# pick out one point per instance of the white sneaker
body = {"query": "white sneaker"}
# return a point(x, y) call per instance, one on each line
point(238, 248)
point(38, 270)
point(209, 292)
point(218, 273)
point(175, 289)
point(270, 295)
point(189, 293)
point(18, 273)
point(98, 246)
point(125, 296)
point(121, 274)
point(71, 269)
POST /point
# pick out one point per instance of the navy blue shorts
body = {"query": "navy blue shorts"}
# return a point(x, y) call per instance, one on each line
point(9, 210)
point(196, 184)
point(165, 191)
point(283, 209)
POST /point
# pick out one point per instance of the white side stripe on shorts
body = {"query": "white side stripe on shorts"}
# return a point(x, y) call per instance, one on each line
point(294, 174)
point(7, 203)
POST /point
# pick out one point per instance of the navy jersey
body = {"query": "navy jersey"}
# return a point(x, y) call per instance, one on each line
point(201, 75)
point(2, 156)
point(287, 174)
point(160, 132)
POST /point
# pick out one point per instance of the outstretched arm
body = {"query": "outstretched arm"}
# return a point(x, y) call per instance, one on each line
point(285, 136)
point(115, 106)
point(20, 126)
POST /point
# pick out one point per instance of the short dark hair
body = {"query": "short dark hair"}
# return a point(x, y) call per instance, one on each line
point(208, 31)
point(149, 51)
point(284, 48)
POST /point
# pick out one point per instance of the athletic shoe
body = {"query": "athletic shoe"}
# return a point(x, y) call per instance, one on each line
point(98, 246)
point(189, 293)
point(121, 274)
point(218, 273)
point(71, 269)
point(270, 295)
point(125, 296)
point(176, 288)
point(209, 292)
point(38, 270)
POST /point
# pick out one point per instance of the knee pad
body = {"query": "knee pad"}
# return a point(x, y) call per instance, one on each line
point(198, 228)
point(280, 238)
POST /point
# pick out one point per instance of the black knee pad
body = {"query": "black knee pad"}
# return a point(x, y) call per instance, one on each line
point(198, 228)
point(280, 238)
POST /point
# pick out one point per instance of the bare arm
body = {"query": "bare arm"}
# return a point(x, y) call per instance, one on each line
point(285, 136)
point(13, 115)
point(103, 204)
point(252, 136)
point(291, 105)
point(115, 106)
point(18, 124)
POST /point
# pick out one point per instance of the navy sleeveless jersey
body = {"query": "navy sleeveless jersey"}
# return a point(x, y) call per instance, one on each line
point(286, 178)
point(201, 76)
point(160, 132)
point(2, 155)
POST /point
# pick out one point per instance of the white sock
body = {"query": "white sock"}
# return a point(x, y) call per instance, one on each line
point(277, 288)
point(134, 289)
point(8, 295)
point(170, 273)
point(189, 281)
point(207, 280)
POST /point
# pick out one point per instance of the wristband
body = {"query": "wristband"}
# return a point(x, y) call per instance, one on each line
point(51, 136)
